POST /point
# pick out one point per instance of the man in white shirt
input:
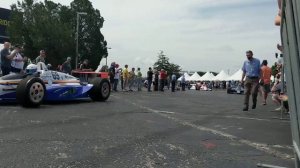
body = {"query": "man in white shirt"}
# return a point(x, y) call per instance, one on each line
point(116, 77)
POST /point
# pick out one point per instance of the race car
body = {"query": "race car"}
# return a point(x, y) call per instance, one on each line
point(39, 84)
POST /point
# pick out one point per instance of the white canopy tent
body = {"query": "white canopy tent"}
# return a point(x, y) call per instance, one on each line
point(186, 75)
point(195, 77)
point(237, 76)
point(222, 76)
point(207, 77)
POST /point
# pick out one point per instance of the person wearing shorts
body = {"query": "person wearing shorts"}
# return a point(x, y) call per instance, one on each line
point(265, 80)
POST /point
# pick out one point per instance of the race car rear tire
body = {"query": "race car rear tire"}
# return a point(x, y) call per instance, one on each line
point(31, 92)
point(100, 90)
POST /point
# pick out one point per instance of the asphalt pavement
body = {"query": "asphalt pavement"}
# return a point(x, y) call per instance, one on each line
point(201, 129)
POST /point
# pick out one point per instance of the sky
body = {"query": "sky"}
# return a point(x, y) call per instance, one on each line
point(198, 35)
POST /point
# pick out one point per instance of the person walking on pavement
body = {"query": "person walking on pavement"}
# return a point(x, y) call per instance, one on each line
point(265, 80)
point(173, 82)
point(6, 58)
point(149, 79)
point(183, 83)
point(251, 70)
point(139, 79)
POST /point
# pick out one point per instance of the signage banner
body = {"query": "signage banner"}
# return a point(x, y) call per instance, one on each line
point(4, 23)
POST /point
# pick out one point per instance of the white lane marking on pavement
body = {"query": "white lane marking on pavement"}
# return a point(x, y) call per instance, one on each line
point(283, 147)
point(230, 116)
point(160, 155)
point(167, 112)
point(259, 146)
point(178, 148)
point(251, 118)
point(61, 156)
point(35, 121)
point(149, 162)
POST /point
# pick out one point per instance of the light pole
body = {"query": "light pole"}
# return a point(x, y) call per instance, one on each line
point(78, 15)
point(107, 56)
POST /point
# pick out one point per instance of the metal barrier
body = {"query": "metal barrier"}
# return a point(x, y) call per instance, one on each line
point(290, 36)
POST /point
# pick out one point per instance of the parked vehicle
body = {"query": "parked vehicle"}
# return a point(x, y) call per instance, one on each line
point(39, 84)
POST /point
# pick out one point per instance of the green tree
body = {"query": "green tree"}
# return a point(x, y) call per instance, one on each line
point(91, 41)
point(52, 26)
point(163, 63)
point(201, 73)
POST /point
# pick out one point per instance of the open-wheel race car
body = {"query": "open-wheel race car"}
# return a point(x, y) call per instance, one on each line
point(39, 84)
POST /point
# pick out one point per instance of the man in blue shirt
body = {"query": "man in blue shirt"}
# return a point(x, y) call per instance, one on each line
point(251, 70)
point(173, 82)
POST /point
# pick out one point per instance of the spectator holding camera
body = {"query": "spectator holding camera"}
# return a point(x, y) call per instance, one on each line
point(17, 62)
point(6, 58)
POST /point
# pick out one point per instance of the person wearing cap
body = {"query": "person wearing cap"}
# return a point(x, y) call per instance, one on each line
point(41, 57)
point(251, 70)
point(66, 66)
point(6, 58)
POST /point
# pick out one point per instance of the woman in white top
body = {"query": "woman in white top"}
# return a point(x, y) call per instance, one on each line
point(17, 62)
point(116, 77)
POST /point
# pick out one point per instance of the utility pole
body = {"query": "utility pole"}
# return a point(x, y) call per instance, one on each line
point(77, 32)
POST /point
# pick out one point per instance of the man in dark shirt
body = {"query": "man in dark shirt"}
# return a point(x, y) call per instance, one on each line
point(41, 57)
point(6, 58)
point(149, 78)
point(85, 65)
point(112, 72)
point(66, 66)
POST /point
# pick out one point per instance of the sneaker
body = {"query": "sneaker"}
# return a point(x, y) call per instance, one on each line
point(253, 106)
point(245, 108)
point(278, 109)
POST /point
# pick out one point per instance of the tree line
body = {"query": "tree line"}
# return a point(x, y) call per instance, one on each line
point(52, 27)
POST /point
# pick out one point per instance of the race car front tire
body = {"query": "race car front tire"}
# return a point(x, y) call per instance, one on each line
point(100, 90)
point(31, 92)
